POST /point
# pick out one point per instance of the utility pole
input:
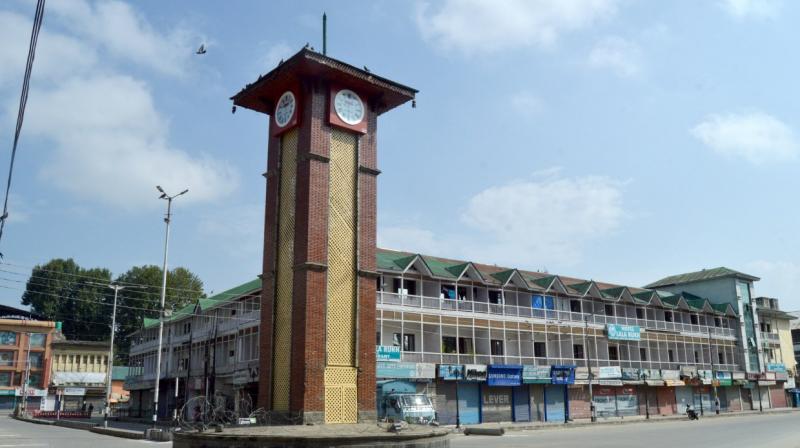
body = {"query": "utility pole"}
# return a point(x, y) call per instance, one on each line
point(163, 297)
point(589, 366)
point(24, 404)
point(713, 374)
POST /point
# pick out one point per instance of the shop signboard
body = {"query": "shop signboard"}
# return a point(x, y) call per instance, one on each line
point(790, 384)
point(689, 371)
point(426, 371)
point(724, 378)
point(475, 372)
point(387, 353)
point(609, 372)
point(451, 372)
point(674, 383)
point(8, 392)
point(670, 375)
point(75, 391)
point(623, 332)
point(32, 392)
point(609, 382)
point(631, 373)
point(781, 376)
point(582, 373)
point(562, 374)
point(775, 367)
point(504, 375)
point(536, 374)
point(705, 376)
point(386, 369)
point(766, 383)
point(652, 374)
point(738, 375)
point(769, 376)
point(753, 376)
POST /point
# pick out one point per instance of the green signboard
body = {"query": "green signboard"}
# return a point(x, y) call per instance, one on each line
point(536, 374)
point(624, 332)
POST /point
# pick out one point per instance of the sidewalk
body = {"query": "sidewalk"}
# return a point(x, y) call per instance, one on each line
point(584, 422)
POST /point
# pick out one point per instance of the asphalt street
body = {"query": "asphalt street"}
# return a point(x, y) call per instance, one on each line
point(14, 433)
point(762, 431)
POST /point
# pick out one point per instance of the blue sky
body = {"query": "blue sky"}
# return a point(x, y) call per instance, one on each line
point(616, 140)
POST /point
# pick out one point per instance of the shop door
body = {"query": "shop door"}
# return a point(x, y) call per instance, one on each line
point(522, 405)
point(469, 402)
point(703, 402)
point(554, 404)
point(7, 401)
point(496, 404)
point(684, 397)
point(627, 402)
point(747, 400)
point(778, 397)
point(445, 403)
point(765, 403)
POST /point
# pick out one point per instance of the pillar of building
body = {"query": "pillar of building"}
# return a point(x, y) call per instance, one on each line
point(318, 299)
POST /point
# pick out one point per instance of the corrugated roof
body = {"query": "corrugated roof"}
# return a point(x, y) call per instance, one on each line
point(698, 276)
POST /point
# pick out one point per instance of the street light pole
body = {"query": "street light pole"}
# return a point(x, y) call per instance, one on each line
point(713, 374)
point(24, 404)
point(163, 297)
point(110, 362)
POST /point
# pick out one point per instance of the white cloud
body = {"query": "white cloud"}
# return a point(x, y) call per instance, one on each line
point(755, 9)
point(274, 54)
point(755, 136)
point(778, 279)
point(527, 102)
point(111, 145)
point(238, 229)
point(118, 29)
point(57, 56)
point(545, 220)
point(483, 26)
point(618, 55)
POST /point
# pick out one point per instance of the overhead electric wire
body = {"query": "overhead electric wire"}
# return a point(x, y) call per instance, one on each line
point(23, 101)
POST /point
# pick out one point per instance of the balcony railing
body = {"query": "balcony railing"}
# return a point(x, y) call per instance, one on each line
point(469, 306)
point(770, 337)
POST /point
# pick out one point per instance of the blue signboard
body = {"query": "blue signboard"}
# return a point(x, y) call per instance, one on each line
point(542, 302)
point(504, 375)
point(387, 353)
point(451, 372)
point(562, 374)
point(624, 332)
point(775, 367)
point(385, 369)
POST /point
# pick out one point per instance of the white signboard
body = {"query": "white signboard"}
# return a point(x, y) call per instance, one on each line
point(32, 392)
point(609, 372)
point(79, 391)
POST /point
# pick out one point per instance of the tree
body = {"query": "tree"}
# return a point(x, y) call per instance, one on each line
point(135, 303)
point(62, 291)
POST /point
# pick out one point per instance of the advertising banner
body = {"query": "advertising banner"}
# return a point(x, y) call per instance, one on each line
point(672, 375)
point(705, 376)
point(387, 353)
point(775, 367)
point(384, 369)
point(582, 373)
point(79, 391)
point(536, 374)
point(609, 382)
point(724, 378)
point(504, 375)
point(562, 374)
point(738, 375)
point(652, 374)
point(632, 375)
point(689, 371)
point(451, 372)
point(31, 392)
point(609, 372)
point(623, 332)
point(474, 372)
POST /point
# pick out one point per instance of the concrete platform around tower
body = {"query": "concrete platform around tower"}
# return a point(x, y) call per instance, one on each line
point(312, 436)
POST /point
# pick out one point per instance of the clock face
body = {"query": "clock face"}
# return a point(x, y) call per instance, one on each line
point(349, 107)
point(284, 110)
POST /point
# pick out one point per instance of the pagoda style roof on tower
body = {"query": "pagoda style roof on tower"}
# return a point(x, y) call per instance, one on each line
point(702, 275)
point(259, 95)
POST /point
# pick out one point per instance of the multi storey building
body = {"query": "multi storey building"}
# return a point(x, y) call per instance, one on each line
point(506, 344)
point(24, 354)
point(80, 369)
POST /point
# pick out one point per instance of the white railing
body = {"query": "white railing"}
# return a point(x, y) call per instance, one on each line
point(469, 306)
point(770, 337)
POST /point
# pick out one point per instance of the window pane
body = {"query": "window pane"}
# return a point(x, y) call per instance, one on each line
point(38, 339)
point(6, 359)
point(8, 338)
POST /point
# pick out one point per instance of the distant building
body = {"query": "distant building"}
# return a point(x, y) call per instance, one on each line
point(24, 342)
point(119, 395)
point(79, 375)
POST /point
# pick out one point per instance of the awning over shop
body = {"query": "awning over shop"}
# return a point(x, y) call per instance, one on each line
point(654, 382)
point(79, 378)
point(675, 383)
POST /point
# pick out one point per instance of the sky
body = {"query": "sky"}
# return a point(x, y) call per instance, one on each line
point(614, 140)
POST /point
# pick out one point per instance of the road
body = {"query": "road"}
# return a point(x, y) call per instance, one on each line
point(14, 433)
point(762, 431)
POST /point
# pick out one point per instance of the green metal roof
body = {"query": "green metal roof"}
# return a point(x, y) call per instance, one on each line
point(390, 260)
point(698, 276)
point(118, 373)
point(443, 268)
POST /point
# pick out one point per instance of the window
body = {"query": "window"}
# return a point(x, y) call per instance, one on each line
point(609, 310)
point(613, 353)
point(495, 297)
point(8, 338)
point(575, 306)
point(396, 339)
point(6, 359)
point(696, 357)
point(539, 350)
point(497, 347)
point(377, 338)
point(448, 292)
point(763, 327)
point(642, 354)
point(670, 355)
point(38, 340)
point(639, 313)
point(462, 293)
point(465, 345)
point(693, 319)
point(35, 379)
point(668, 316)
point(721, 357)
point(717, 322)
point(409, 344)
point(407, 286)
point(577, 351)
point(5, 379)
point(448, 344)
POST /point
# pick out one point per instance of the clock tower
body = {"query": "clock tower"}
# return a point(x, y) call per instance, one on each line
point(317, 341)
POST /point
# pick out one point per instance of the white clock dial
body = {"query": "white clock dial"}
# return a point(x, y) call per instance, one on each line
point(284, 110)
point(349, 107)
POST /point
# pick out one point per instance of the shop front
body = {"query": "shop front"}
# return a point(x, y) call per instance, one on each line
point(556, 397)
point(503, 385)
point(456, 400)
point(536, 377)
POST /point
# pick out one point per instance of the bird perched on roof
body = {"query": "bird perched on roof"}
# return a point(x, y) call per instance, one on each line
point(201, 50)
point(366, 69)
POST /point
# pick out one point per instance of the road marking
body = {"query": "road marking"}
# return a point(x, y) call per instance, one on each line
point(25, 444)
